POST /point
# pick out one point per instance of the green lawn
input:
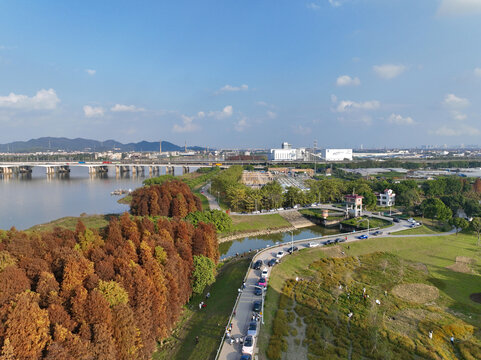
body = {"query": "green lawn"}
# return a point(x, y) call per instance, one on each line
point(428, 227)
point(70, 222)
point(209, 323)
point(436, 253)
point(244, 223)
point(203, 199)
point(127, 199)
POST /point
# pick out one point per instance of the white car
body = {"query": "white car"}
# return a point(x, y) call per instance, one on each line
point(248, 347)
point(280, 254)
point(265, 273)
point(312, 244)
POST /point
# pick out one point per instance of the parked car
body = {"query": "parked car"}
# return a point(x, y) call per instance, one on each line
point(328, 242)
point(396, 220)
point(246, 357)
point(252, 330)
point(340, 240)
point(273, 262)
point(256, 306)
point(257, 265)
point(248, 347)
point(262, 282)
point(361, 237)
point(265, 273)
point(312, 244)
point(280, 254)
point(258, 291)
point(280, 209)
point(292, 249)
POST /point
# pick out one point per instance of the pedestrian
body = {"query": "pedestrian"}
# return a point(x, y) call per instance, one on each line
point(196, 340)
point(452, 340)
point(208, 295)
point(363, 290)
point(243, 285)
point(200, 305)
point(348, 246)
point(431, 334)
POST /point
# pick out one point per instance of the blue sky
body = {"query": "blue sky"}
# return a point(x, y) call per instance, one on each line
point(243, 74)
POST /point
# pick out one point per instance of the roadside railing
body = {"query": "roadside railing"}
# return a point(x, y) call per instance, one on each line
point(286, 243)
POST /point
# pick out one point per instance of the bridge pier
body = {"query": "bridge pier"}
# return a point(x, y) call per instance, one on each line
point(51, 170)
point(25, 169)
point(169, 170)
point(120, 169)
point(64, 169)
point(185, 170)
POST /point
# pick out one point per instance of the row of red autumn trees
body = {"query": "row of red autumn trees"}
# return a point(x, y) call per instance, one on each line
point(83, 295)
point(172, 199)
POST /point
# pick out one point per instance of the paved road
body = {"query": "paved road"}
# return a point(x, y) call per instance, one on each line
point(243, 311)
point(213, 204)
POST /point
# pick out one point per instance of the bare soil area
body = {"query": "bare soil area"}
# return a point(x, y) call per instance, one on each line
point(416, 293)
point(462, 265)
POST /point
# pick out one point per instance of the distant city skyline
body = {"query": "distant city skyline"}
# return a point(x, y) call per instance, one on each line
point(251, 74)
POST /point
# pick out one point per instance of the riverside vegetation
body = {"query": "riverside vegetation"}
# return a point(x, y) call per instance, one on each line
point(109, 294)
point(422, 284)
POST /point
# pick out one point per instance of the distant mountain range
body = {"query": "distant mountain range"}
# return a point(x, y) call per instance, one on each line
point(79, 144)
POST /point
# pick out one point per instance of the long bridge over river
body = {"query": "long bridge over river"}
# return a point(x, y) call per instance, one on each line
point(51, 168)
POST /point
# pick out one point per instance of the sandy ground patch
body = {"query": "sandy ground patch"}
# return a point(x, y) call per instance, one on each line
point(416, 293)
point(476, 297)
point(462, 264)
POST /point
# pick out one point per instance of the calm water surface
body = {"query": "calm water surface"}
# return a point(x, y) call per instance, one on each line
point(35, 199)
point(230, 248)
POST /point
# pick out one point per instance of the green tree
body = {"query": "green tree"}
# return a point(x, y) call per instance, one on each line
point(476, 226)
point(203, 274)
point(434, 208)
point(459, 223)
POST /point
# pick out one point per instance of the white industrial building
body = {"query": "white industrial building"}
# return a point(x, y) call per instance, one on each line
point(287, 153)
point(336, 154)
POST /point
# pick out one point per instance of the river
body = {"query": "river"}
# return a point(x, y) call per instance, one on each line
point(240, 246)
point(27, 200)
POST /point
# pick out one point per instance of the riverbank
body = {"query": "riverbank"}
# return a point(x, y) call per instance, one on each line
point(256, 233)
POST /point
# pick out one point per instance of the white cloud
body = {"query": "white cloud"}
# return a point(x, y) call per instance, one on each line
point(90, 71)
point(477, 72)
point(348, 106)
point(230, 88)
point(126, 108)
point(313, 6)
point(335, 3)
point(271, 114)
point(459, 116)
point(241, 125)
point(93, 111)
point(458, 131)
point(388, 71)
point(225, 113)
point(459, 7)
point(187, 125)
point(346, 80)
point(201, 114)
point(453, 101)
point(302, 130)
point(400, 120)
point(42, 100)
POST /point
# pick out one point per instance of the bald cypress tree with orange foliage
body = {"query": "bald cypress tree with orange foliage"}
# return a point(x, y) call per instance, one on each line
point(108, 295)
point(27, 327)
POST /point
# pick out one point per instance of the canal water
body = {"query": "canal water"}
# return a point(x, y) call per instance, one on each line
point(240, 246)
point(27, 200)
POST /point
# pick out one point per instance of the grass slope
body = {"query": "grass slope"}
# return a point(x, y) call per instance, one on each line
point(70, 222)
point(209, 323)
point(244, 223)
point(433, 254)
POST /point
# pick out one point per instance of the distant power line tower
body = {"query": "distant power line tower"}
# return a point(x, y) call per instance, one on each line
point(315, 157)
point(160, 146)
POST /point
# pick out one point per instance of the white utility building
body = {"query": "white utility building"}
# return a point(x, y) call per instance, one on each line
point(336, 154)
point(287, 153)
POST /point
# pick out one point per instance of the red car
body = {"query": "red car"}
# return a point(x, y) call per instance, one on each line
point(262, 282)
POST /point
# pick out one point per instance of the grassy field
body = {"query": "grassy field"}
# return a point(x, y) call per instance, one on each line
point(209, 323)
point(125, 200)
point(422, 260)
point(247, 223)
point(70, 222)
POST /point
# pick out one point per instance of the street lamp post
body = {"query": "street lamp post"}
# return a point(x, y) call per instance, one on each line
point(292, 240)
